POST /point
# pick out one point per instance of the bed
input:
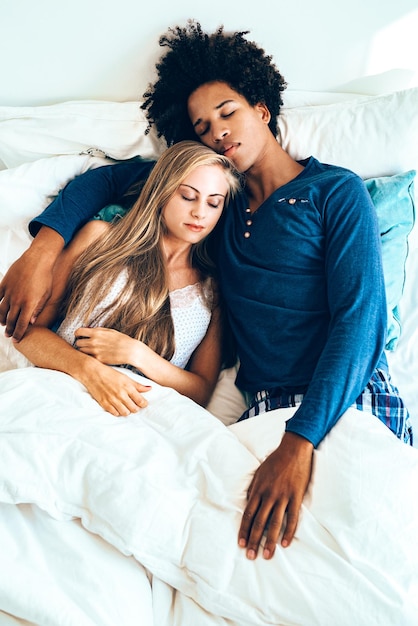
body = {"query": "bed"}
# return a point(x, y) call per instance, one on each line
point(134, 521)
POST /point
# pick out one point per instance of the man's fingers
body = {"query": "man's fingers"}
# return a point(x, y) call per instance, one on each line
point(247, 521)
point(275, 525)
point(253, 525)
point(20, 326)
point(292, 519)
point(267, 519)
point(4, 309)
point(37, 310)
point(17, 318)
point(12, 317)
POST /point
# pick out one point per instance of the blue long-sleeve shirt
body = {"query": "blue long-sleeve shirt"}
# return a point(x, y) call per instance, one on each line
point(306, 294)
point(304, 316)
point(87, 194)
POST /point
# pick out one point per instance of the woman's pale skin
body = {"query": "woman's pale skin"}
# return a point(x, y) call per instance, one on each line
point(189, 216)
point(225, 121)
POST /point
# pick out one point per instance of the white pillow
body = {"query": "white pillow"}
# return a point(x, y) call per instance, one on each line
point(113, 129)
point(227, 402)
point(24, 192)
point(374, 136)
point(27, 189)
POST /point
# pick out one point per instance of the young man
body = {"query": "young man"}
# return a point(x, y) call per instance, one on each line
point(300, 263)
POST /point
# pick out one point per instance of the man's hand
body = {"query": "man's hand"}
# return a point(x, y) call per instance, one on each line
point(275, 496)
point(24, 291)
point(26, 287)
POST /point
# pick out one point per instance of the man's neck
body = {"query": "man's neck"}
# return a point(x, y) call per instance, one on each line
point(275, 170)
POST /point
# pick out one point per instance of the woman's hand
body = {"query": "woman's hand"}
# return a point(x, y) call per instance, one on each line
point(107, 345)
point(116, 392)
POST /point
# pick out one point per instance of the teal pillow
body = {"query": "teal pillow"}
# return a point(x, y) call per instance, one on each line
point(393, 197)
point(110, 212)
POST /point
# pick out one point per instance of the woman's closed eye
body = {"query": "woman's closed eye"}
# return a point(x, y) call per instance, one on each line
point(215, 205)
point(212, 204)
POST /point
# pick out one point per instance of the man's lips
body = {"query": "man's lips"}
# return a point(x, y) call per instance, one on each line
point(229, 149)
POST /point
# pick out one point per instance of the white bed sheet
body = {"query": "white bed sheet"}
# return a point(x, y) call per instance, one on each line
point(55, 572)
point(168, 486)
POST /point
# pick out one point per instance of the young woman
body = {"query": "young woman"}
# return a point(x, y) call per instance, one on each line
point(141, 291)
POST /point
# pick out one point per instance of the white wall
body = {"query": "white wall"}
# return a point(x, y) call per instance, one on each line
point(53, 51)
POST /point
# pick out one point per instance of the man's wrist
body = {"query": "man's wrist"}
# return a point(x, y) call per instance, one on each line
point(47, 245)
point(294, 441)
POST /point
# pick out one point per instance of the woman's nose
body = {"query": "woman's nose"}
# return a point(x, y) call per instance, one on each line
point(198, 210)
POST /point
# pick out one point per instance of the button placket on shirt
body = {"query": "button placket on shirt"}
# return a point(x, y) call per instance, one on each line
point(248, 223)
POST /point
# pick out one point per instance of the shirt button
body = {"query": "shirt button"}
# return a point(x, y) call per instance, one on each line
point(249, 222)
point(247, 234)
point(292, 201)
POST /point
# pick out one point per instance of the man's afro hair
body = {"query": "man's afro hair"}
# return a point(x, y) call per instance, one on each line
point(195, 58)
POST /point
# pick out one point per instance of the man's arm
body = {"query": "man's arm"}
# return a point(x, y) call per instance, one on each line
point(357, 305)
point(26, 287)
point(87, 194)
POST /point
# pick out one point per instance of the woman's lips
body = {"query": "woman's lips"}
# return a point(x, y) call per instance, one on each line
point(196, 228)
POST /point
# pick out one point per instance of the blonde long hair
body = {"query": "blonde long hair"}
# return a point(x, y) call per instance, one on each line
point(142, 309)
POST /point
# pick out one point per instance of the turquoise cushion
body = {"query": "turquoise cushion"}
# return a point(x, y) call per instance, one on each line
point(393, 197)
point(110, 212)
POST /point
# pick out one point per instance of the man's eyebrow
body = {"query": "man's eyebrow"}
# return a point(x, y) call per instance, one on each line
point(218, 106)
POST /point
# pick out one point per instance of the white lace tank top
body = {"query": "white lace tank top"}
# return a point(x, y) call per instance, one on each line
point(190, 311)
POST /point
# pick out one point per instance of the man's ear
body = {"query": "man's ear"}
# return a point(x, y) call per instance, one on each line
point(264, 111)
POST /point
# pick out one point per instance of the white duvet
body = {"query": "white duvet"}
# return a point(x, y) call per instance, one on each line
point(166, 487)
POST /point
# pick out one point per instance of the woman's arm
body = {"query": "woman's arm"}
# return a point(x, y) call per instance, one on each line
point(115, 392)
point(197, 382)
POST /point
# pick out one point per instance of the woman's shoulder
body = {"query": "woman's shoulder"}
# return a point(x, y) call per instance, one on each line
point(91, 231)
point(203, 290)
point(86, 236)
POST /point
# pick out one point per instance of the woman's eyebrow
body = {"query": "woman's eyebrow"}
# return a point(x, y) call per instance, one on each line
point(197, 190)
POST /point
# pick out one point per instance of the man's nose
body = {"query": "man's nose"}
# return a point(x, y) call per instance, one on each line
point(219, 131)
